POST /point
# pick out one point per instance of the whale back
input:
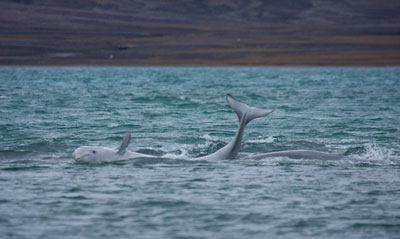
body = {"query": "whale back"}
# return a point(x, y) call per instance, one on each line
point(301, 154)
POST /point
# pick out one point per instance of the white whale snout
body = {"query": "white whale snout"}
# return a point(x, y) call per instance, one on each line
point(86, 154)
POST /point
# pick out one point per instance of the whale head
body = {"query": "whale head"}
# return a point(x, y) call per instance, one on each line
point(88, 154)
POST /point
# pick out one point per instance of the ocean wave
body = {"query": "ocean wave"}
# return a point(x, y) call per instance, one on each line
point(25, 168)
point(39, 149)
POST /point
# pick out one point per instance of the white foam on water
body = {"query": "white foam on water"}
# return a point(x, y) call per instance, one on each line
point(113, 125)
point(261, 140)
point(183, 153)
point(211, 138)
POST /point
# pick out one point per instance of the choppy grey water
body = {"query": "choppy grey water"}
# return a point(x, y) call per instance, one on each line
point(179, 114)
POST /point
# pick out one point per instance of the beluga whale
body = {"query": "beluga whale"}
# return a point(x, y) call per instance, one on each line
point(245, 114)
point(301, 154)
point(95, 154)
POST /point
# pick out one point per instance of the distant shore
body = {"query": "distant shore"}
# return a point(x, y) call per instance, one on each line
point(55, 34)
point(210, 57)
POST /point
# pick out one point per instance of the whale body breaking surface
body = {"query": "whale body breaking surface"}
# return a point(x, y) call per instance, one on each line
point(92, 154)
point(230, 151)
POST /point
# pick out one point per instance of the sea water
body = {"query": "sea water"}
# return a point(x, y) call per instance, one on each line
point(178, 114)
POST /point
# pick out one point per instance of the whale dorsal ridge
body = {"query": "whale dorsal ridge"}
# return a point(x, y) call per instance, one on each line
point(124, 143)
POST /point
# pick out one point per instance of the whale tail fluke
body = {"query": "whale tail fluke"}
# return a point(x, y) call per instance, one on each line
point(244, 111)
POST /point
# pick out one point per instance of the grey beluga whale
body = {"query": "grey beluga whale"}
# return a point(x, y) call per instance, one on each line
point(245, 114)
point(92, 154)
point(301, 154)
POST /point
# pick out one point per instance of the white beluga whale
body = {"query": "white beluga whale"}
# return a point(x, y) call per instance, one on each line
point(245, 115)
point(93, 154)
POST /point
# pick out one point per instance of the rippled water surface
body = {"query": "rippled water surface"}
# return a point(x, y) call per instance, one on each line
point(179, 114)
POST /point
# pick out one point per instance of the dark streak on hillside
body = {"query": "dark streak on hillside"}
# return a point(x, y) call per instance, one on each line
point(219, 32)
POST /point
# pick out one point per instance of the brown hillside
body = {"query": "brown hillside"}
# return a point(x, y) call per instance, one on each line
point(190, 32)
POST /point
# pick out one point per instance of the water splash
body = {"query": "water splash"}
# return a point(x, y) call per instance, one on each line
point(375, 152)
